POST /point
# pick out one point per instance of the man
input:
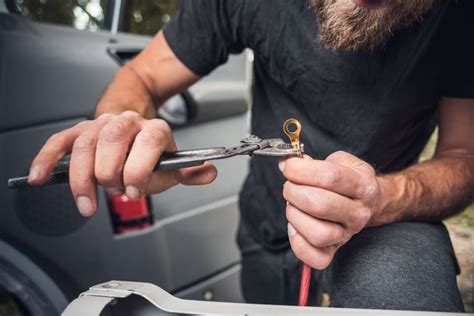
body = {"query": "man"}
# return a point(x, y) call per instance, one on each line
point(369, 80)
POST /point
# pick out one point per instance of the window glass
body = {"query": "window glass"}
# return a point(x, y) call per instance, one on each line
point(147, 16)
point(80, 14)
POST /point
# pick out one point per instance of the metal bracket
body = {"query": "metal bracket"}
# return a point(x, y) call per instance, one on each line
point(94, 301)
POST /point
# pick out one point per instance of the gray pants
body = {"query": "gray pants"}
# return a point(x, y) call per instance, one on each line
point(404, 266)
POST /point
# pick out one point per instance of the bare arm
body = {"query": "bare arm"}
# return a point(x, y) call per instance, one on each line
point(442, 186)
point(147, 81)
point(120, 148)
point(331, 200)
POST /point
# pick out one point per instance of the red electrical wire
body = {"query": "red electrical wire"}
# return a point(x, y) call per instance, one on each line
point(294, 135)
point(304, 285)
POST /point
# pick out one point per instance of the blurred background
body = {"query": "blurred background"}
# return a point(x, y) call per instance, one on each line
point(139, 16)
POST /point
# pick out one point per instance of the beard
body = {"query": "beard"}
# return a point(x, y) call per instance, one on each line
point(346, 26)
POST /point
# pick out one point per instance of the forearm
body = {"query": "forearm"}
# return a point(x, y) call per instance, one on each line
point(427, 191)
point(147, 81)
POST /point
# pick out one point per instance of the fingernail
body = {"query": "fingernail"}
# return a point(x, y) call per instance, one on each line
point(84, 204)
point(291, 230)
point(132, 192)
point(115, 191)
point(281, 165)
point(35, 173)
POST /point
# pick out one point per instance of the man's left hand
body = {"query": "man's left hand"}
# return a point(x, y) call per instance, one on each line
point(328, 202)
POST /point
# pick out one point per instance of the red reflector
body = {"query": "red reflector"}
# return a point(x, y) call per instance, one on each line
point(129, 215)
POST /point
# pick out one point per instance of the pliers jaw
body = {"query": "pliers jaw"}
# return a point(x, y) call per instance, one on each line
point(274, 147)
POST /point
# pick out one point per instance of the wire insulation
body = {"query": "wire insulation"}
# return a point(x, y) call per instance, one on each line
point(304, 285)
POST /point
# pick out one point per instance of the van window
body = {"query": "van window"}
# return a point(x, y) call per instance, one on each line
point(147, 17)
point(144, 17)
point(80, 14)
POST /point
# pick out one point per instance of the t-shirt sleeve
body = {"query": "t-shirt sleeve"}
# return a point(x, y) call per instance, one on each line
point(459, 70)
point(203, 33)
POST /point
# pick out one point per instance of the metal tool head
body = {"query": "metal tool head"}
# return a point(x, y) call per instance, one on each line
point(275, 147)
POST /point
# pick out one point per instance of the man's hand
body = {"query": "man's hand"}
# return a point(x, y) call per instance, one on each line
point(328, 202)
point(118, 152)
point(120, 148)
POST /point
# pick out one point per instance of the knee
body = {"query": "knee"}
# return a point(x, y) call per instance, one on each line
point(405, 266)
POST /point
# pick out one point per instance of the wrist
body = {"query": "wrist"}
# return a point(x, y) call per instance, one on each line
point(127, 92)
point(391, 193)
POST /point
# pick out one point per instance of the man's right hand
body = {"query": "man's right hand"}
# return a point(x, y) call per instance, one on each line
point(118, 152)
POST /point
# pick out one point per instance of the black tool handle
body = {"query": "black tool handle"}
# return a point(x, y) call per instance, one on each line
point(168, 161)
point(55, 178)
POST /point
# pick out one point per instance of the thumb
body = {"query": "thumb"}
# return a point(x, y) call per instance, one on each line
point(282, 161)
point(204, 174)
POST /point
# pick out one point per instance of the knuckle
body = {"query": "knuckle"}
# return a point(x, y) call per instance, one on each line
point(316, 239)
point(337, 155)
point(55, 138)
point(290, 213)
point(345, 237)
point(107, 177)
point(323, 261)
point(364, 169)
point(152, 137)
point(84, 143)
point(360, 220)
point(130, 115)
point(325, 238)
point(331, 177)
point(156, 132)
point(365, 217)
point(105, 117)
point(83, 124)
point(369, 168)
point(320, 203)
point(160, 125)
point(298, 247)
point(370, 191)
point(114, 131)
point(308, 198)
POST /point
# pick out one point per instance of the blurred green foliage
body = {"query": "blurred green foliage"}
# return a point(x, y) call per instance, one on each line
point(81, 14)
point(139, 16)
point(147, 16)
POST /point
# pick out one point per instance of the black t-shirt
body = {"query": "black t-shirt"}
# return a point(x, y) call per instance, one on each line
point(382, 106)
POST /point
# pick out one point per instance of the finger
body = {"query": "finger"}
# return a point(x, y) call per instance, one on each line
point(320, 203)
point(282, 161)
point(52, 151)
point(81, 169)
point(163, 180)
point(113, 144)
point(346, 159)
point(319, 233)
point(198, 175)
point(154, 139)
point(317, 258)
point(324, 174)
